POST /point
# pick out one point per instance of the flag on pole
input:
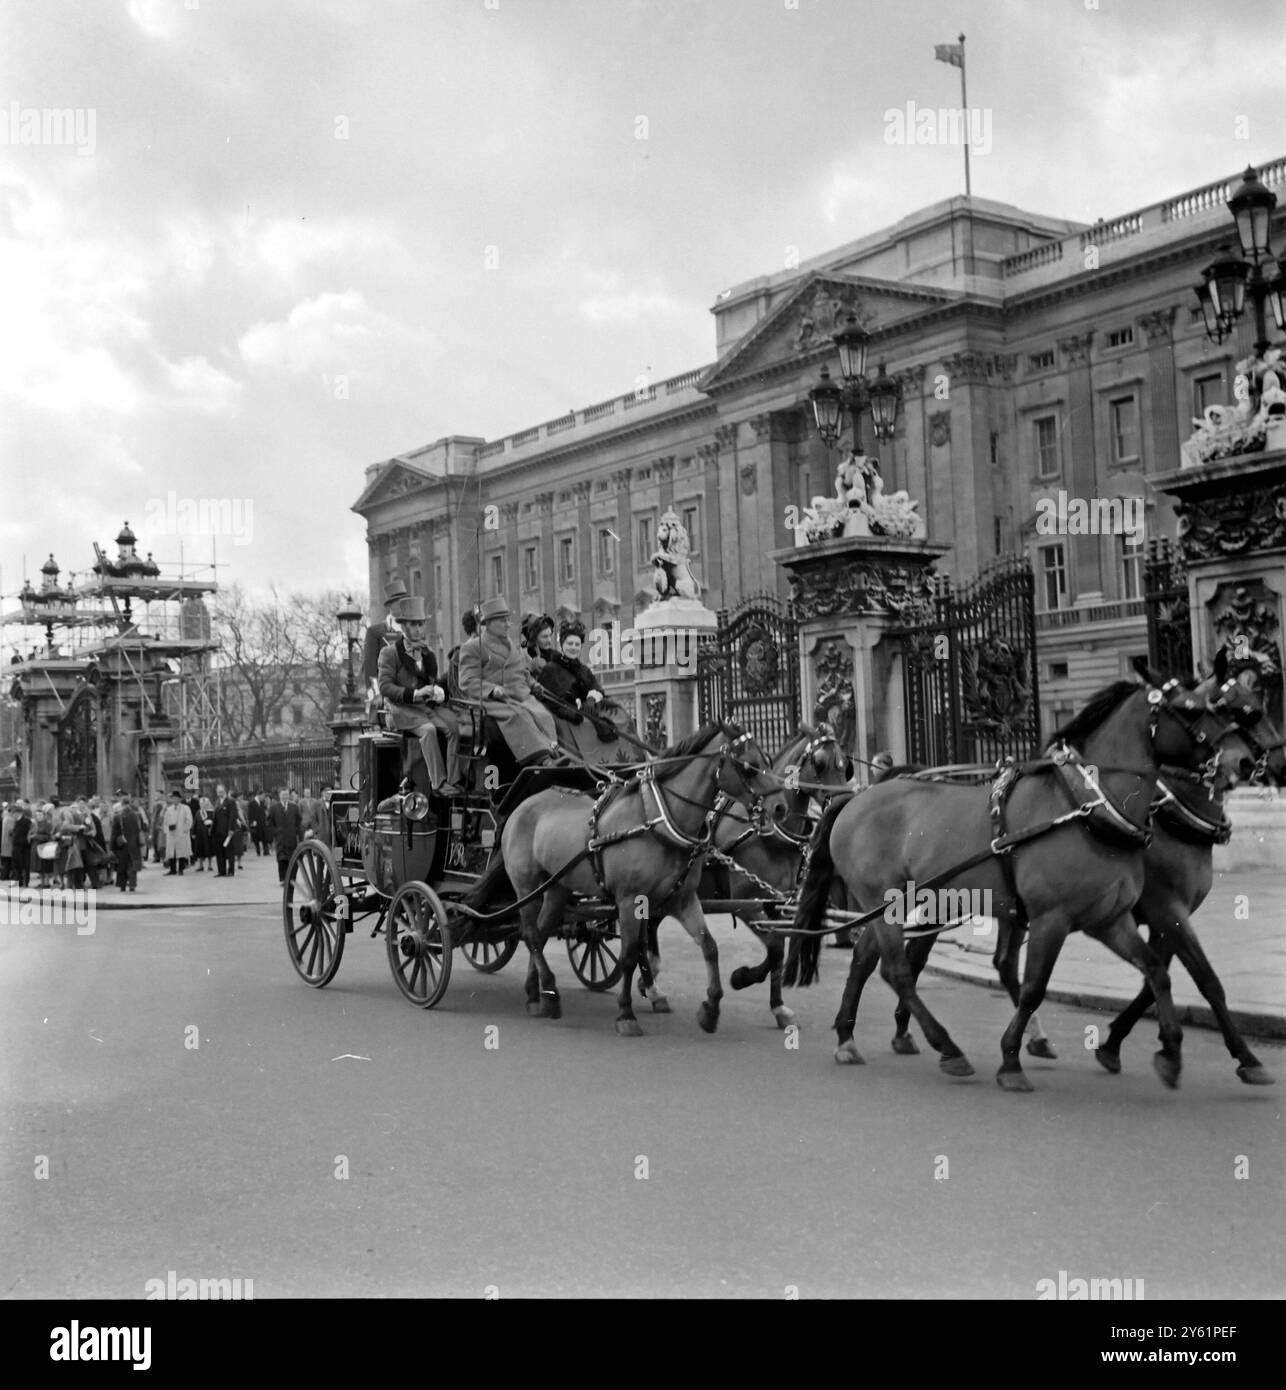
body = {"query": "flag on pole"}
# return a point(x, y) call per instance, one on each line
point(952, 53)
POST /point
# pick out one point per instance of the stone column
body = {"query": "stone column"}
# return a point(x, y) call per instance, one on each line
point(585, 557)
point(709, 455)
point(624, 529)
point(1086, 570)
point(548, 549)
point(1159, 328)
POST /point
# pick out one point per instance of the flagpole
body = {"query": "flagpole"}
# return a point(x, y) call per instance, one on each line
point(964, 101)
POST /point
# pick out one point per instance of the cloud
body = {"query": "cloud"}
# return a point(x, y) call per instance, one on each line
point(198, 385)
point(158, 19)
point(341, 334)
point(284, 247)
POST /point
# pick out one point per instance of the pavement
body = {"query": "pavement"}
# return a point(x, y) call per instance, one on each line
point(1240, 925)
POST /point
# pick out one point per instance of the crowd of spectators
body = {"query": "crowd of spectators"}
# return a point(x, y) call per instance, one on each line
point(90, 842)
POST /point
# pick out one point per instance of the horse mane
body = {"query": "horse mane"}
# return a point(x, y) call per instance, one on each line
point(1097, 709)
point(694, 743)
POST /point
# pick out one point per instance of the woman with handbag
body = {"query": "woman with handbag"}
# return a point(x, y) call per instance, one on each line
point(587, 722)
point(44, 845)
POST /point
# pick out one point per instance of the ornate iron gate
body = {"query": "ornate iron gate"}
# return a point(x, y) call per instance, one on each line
point(969, 670)
point(78, 747)
point(748, 672)
point(1165, 593)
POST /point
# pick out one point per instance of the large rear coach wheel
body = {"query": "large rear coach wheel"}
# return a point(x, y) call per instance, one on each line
point(596, 961)
point(490, 956)
point(315, 913)
point(419, 943)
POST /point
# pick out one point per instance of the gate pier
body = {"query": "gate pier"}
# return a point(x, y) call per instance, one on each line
point(853, 597)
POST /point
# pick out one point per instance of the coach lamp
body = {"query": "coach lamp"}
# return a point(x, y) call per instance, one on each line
point(349, 619)
point(883, 396)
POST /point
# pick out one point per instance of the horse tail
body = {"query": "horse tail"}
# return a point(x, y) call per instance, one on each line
point(804, 954)
point(492, 887)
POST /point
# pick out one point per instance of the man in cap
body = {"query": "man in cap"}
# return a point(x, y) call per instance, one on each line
point(415, 702)
point(379, 634)
point(494, 671)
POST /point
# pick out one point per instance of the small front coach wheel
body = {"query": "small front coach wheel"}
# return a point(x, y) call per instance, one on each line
point(419, 943)
point(490, 956)
point(596, 961)
point(312, 906)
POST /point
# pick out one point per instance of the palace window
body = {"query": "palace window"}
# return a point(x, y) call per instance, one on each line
point(1058, 670)
point(1120, 337)
point(1053, 577)
point(645, 529)
point(1045, 433)
point(417, 582)
point(996, 524)
point(437, 583)
point(498, 573)
point(690, 516)
point(1206, 391)
point(531, 566)
point(606, 553)
point(1125, 429)
point(1040, 361)
point(566, 560)
point(1129, 564)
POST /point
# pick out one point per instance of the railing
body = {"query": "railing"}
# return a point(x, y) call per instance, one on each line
point(1197, 202)
point(1095, 613)
point(672, 386)
point(264, 766)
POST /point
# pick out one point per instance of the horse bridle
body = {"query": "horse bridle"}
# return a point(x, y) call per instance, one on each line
point(1161, 701)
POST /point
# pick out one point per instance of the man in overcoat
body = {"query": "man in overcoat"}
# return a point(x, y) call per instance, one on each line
point(494, 671)
point(257, 815)
point(178, 834)
point(415, 702)
point(227, 823)
point(128, 837)
point(284, 830)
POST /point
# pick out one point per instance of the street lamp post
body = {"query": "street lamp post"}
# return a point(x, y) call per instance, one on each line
point(1228, 279)
point(349, 619)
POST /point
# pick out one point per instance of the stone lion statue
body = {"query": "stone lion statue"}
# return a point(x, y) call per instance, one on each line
point(671, 574)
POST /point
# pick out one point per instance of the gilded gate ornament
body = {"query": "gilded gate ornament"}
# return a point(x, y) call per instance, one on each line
point(995, 686)
point(760, 661)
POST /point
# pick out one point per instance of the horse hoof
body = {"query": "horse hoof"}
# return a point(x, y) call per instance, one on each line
point(708, 1018)
point(1109, 1061)
point(1257, 1076)
point(1167, 1069)
point(784, 1016)
point(660, 1004)
point(1013, 1081)
point(956, 1066)
point(1042, 1047)
point(535, 1009)
point(847, 1055)
point(629, 1028)
point(551, 1007)
point(740, 978)
point(905, 1046)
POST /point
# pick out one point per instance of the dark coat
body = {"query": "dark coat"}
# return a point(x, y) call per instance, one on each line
point(21, 835)
point(400, 677)
point(227, 818)
point(568, 680)
point(258, 817)
point(376, 636)
point(127, 832)
point(284, 828)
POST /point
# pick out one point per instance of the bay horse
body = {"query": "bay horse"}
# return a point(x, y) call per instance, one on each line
point(767, 841)
point(901, 832)
point(642, 847)
point(1188, 821)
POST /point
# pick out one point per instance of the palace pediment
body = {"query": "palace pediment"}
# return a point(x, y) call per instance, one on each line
point(810, 314)
point(395, 479)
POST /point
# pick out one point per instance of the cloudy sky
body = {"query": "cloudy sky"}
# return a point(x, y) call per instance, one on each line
point(293, 237)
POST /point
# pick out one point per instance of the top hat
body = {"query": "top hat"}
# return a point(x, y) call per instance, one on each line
point(393, 591)
point(410, 608)
point(494, 608)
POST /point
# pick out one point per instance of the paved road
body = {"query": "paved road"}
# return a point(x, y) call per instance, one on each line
point(522, 1166)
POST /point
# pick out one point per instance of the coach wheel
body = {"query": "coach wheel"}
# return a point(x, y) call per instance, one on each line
point(490, 956)
point(419, 943)
point(596, 961)
point(315, 913)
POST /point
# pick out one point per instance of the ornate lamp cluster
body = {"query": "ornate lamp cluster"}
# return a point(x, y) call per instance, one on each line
point(882, 396)
point(1226, 280)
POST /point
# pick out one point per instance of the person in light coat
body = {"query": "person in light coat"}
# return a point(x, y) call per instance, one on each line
point(178, 834)
point(495, 673)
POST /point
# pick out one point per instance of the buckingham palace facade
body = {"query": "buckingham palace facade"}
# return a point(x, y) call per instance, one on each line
point(1036, 356)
